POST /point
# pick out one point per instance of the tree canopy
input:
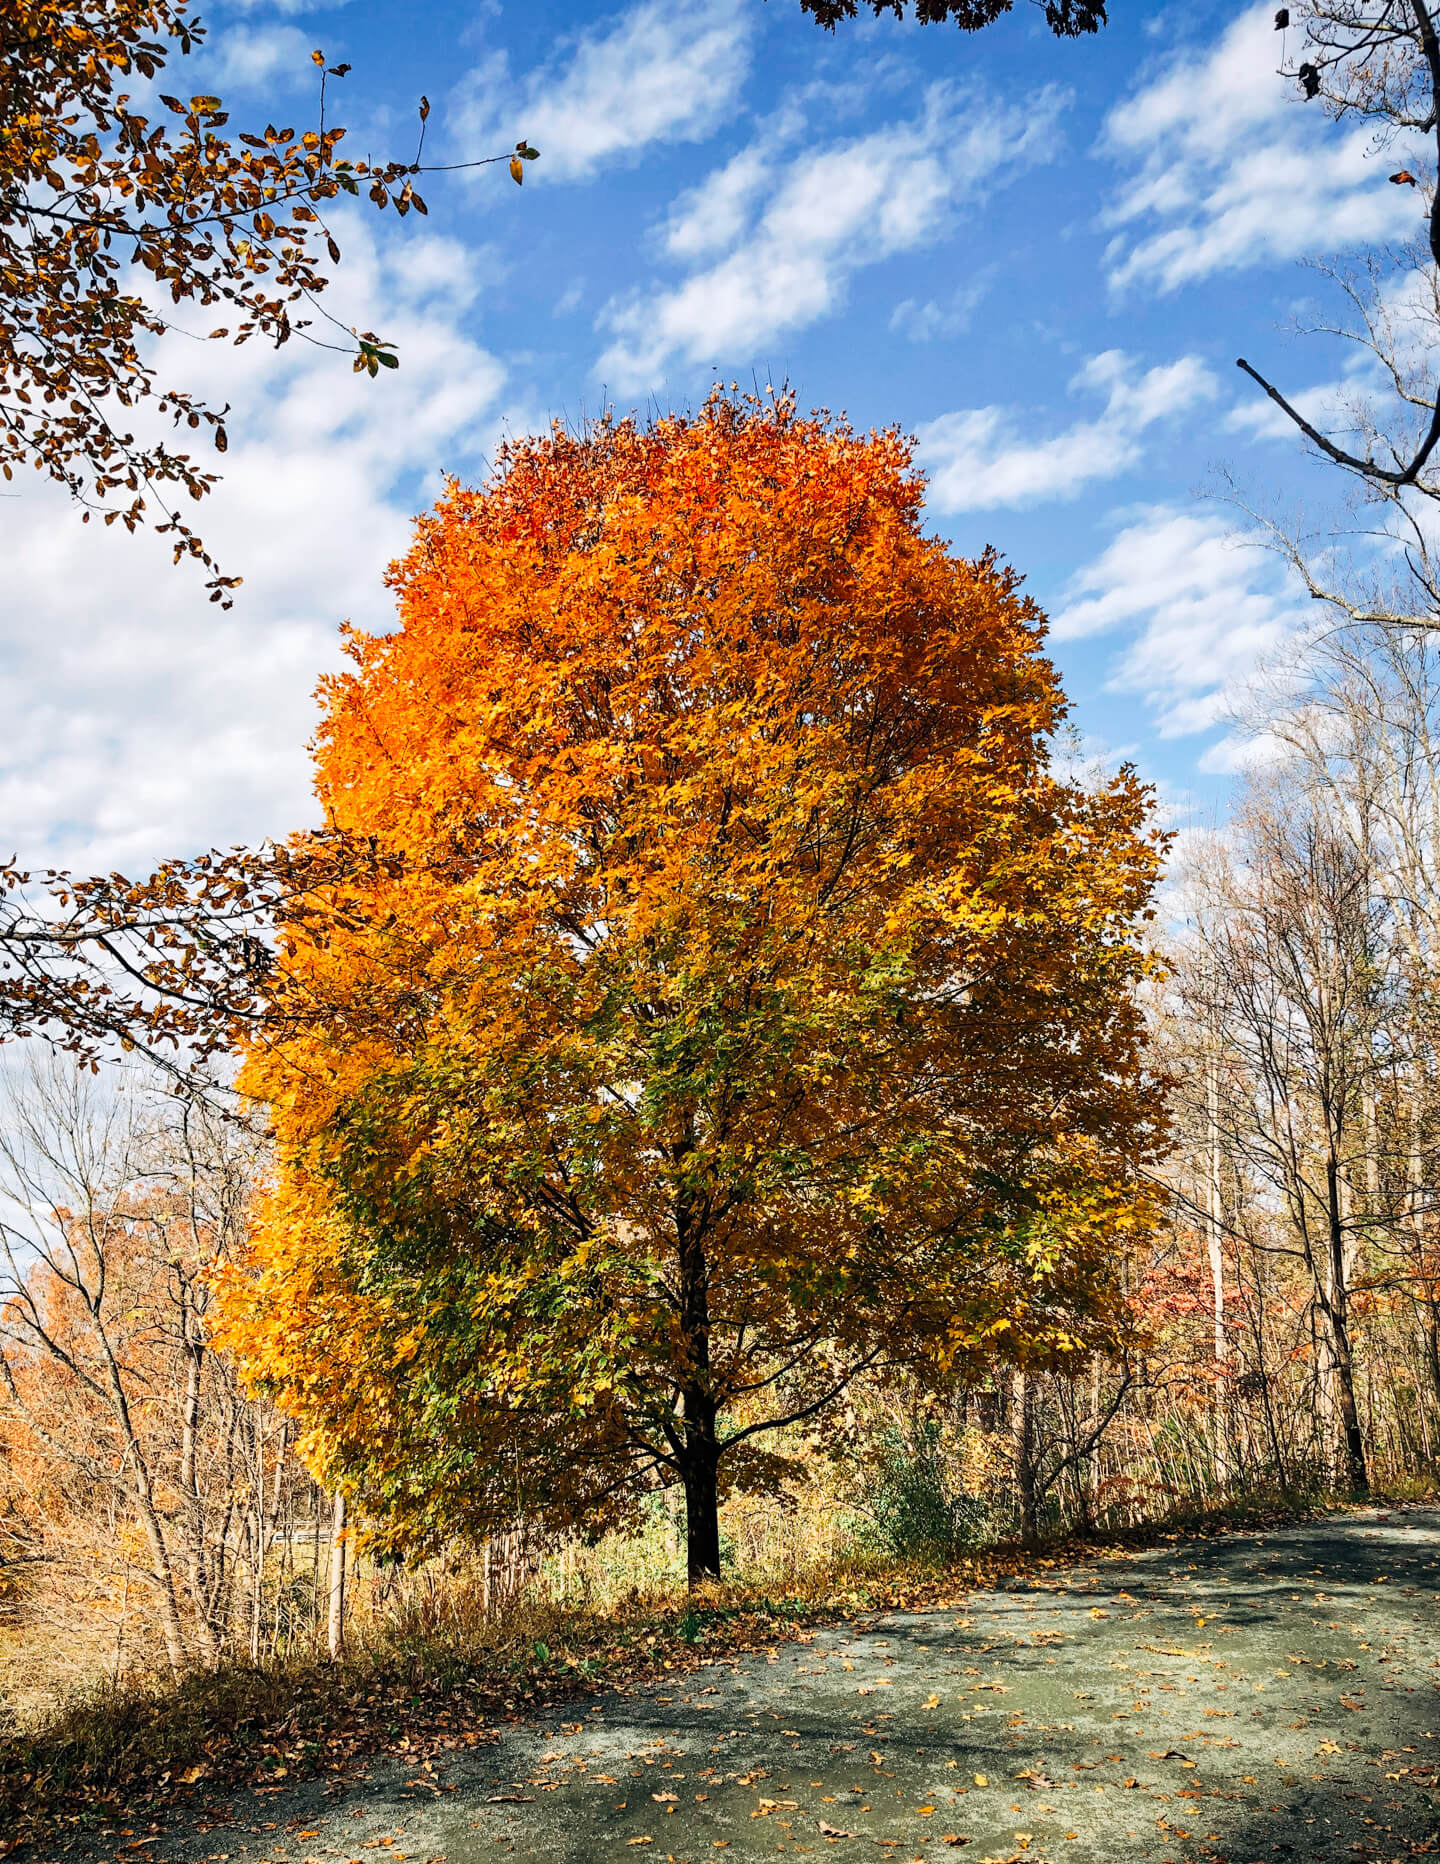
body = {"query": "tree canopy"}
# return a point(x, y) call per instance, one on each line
point(747, 1004)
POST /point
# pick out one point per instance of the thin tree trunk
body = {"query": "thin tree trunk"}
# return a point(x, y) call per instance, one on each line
point(258, 1554)
point(1337, 1317)
point(1022, 1422)
point(1213, 1239)
point(142, 1494)
point(163, 1577)
point(336, 1637)
point(193, 1511)
point(316, 1499)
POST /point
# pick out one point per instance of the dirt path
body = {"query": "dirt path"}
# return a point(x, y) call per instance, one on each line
point(1247, 1698)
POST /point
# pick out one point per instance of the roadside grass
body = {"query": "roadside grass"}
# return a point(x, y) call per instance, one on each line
point(446, 1678)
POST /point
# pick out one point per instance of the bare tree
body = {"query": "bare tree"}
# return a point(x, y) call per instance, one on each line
point(116, 1207)
point(1376, 61)
point(1290, 961)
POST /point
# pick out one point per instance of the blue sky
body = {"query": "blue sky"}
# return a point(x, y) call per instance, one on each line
point(1041, 258)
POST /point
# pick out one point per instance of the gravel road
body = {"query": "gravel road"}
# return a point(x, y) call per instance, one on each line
point(1245, 1698)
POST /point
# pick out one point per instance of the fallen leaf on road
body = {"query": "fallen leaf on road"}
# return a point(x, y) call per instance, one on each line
point(639, 1841)
point(512, 1799)
point(982, 1779)
point(665, 1799)
point(954, 1838)
point(834, 1831)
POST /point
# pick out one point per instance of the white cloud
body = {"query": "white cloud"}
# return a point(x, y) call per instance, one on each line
point(1203, 610)
point(249, 57)
point(1261, 419)
point(1234, 168)
point(142, 722)
point(280, 6)
point(783, 231)
point(656, 74)
point(981, 458)
point(925, 323)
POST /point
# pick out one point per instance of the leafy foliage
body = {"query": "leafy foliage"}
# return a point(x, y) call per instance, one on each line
point(914, 1512)
point(89, 186)
point(746, 1003)
point(1067, 19)
point(173, 964)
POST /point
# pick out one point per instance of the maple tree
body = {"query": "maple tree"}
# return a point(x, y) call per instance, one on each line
point(89, 185)
point(748, 1005)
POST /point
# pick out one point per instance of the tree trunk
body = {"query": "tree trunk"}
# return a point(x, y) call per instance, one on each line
point(1023, 1432)
point(142, 1494)
point(1430, 1327)
point(337, 1579)
point(698, 1448)
point(1215, 1245)
point(193, 1513)
point(1337, 1316)
point(162, 1576)
point(702, 1490)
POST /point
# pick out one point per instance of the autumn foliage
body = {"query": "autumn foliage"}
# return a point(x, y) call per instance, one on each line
point(746, 1003)
point(92, 184)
